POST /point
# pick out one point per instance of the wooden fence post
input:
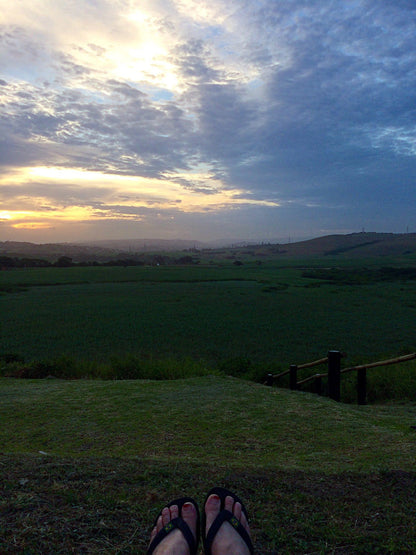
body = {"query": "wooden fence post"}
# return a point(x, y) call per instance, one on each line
point(362, 386)
point(293, 376)
point(334, 375)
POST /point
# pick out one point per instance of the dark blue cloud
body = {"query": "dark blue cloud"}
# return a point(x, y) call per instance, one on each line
point(350, 74)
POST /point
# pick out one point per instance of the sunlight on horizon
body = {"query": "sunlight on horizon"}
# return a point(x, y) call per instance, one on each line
point(53, 194)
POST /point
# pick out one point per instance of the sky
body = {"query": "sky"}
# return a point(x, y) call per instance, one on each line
point(209, 120)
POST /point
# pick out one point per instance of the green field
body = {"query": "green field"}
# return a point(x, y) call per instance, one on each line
point(266, 313)
point(242, 320)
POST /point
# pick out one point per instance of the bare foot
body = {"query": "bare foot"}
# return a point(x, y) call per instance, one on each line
point(175, 543)
point(227, 541)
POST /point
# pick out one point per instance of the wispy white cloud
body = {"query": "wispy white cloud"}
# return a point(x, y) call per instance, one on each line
point(273, 104)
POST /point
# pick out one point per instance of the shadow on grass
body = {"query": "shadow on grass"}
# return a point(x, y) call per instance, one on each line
point(63, 505)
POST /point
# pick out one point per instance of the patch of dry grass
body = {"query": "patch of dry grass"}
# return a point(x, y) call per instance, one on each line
point(64, 505)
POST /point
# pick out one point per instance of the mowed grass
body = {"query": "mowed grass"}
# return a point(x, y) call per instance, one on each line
point(86, 465)
point(265, 313)
point(201, 420)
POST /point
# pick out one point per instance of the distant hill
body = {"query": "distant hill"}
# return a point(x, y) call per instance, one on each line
point(351, 245)
point(97, 251)
point(354, 245)
point(145, 245)
point(53, 251)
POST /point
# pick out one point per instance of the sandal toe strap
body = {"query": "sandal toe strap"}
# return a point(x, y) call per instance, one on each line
point(176, 523)
point(226, 516)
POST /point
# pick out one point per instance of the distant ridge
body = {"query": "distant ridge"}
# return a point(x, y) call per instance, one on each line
point(143, 245)
point(351, 245)
point(355, 245)
point(52, 251)
point(95, 251)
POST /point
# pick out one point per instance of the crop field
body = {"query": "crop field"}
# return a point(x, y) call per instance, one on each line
point(267, 314)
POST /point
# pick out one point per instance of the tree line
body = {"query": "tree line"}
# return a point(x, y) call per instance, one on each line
point(7, 262)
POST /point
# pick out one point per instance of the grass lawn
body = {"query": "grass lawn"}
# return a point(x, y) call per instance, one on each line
point(86, 465)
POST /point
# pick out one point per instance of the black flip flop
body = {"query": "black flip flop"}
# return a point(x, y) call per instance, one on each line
point(178, 523)
point(224, 516)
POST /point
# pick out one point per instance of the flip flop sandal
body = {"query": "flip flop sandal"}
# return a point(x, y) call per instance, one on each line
point(224, 516)
point(178, 523)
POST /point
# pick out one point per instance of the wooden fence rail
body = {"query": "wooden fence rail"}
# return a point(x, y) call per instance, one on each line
point(334, 373)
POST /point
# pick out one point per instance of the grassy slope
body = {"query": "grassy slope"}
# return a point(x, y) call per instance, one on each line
point(175, 420)
point(317, 476)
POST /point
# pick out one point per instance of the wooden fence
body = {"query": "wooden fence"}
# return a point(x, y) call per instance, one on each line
point(334, 372)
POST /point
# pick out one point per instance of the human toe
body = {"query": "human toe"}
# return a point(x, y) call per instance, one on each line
point(212, 509)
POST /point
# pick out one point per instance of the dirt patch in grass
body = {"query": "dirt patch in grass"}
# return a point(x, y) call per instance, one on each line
point(63, 505)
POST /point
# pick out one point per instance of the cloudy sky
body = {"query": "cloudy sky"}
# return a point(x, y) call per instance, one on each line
point(206, 119)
